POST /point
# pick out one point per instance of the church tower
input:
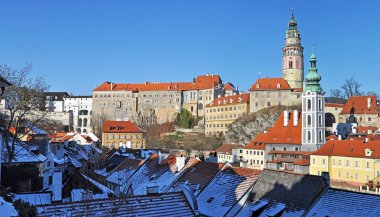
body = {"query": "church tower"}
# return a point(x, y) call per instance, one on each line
point(313, 110)
point(292, 56)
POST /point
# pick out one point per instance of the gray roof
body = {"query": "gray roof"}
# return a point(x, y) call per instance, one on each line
point(283, 193)
point(346, 203)
point(168, 204)
point(4, 82)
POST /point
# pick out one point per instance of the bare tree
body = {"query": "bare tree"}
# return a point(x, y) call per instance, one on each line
point(351, 87)
point(24, 101)
point(336, 93)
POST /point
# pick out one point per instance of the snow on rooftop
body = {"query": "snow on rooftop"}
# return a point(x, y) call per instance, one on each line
point(7, 209)
point(41, 198)
point(35, 129)
point(168, 204)
point(225, 190)
point(23, 154)
point(98, 185)
point(153, 174)
point(345, 203)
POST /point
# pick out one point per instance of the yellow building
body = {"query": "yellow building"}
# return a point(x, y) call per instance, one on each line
point(122, 134)
point(350, 163)
point(223, 111)
point(254, 154)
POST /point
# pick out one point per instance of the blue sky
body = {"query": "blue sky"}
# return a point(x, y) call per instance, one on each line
point(77, 45)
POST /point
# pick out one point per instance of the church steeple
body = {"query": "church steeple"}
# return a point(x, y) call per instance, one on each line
point(292, 56)
point(313, 78)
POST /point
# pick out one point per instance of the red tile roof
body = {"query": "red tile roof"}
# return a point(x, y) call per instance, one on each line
point(305, 153)
point(362, 129)
point(120, 127)
point(349, 148)
point(201, 82)
point(230, 100)
point(270, 84)
point(229, 86)
point(360, 105)
point(334, 105)
point(302, 162)
point(331, 137)
point(256, 145)
point(227, 148)
point(280, 134)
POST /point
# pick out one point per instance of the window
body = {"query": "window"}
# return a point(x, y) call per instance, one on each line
point(356, 176)
point(308, 104)
point(308, 136)
point(290, 64)
point(323, 161)
point(339, 162)
point(369, 118)
point(367, 164)
point(356, 163)
point(347, 163)
point(284, 149)
point(339, 174)
point(309, 120)
point(268, 104)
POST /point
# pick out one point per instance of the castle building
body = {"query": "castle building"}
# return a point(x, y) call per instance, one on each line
point(155, 102)
point(223, 111)
point(80, 109)
point(267, 92)
point(292, 56)
point(313, 113)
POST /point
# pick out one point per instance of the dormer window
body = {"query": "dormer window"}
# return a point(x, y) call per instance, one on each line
point(257, 85)
point(278, 85)
point(210, 199)
point(368, 152)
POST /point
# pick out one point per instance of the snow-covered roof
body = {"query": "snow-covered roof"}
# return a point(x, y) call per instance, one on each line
point(122, 172)
point(98, 185)
point(226, 189)
point(282, 194)
point(35, 129)
point(39, 198)
point(154, 174)
point(7, 209)
point(346, 203)
point(168, 204)
point(22, 154)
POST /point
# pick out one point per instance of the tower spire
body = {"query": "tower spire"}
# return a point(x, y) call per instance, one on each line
point(313, 78)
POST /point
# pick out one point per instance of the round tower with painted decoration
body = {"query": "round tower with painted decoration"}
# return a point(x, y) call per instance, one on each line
point(292, 56)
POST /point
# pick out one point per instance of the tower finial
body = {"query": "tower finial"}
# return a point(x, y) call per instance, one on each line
point(292, 14)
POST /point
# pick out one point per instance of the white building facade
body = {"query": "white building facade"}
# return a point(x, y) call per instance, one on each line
point(81, 109)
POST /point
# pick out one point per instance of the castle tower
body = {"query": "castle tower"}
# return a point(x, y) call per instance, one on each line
point(292, 56)
point(313, 110)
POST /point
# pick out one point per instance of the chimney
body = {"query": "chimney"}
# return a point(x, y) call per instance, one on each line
point(111, 86)
point(369, 132)
point(295, 117)
point(159, 157)
point(180, 161)
point(326, 177)
point(369, 102)
point(286, 118)
point(339, 137)
point(366, 140)
point(354, 130)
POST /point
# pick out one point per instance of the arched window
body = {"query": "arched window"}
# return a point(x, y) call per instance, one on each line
point(308, 136)
point(80, 122)
point(284, 148)
point(85, 122)
point(320, 120)
point(320, 104)
point(296, 149)
point(321, 135)
point(308, 104)
point(273, 148)
point(309, 120)
point(290, 64)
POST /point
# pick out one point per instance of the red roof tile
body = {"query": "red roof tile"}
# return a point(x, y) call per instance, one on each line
point(201, 82)
point(227, 148)
point(349, 148)
point(270, 84)
point(230, 100)
point(120, 127)
point(283, 134)
point(334, 105)
point(256, 145)
point(360, 105)
point(362, 129)
point(229, 86)
point(302, 162)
